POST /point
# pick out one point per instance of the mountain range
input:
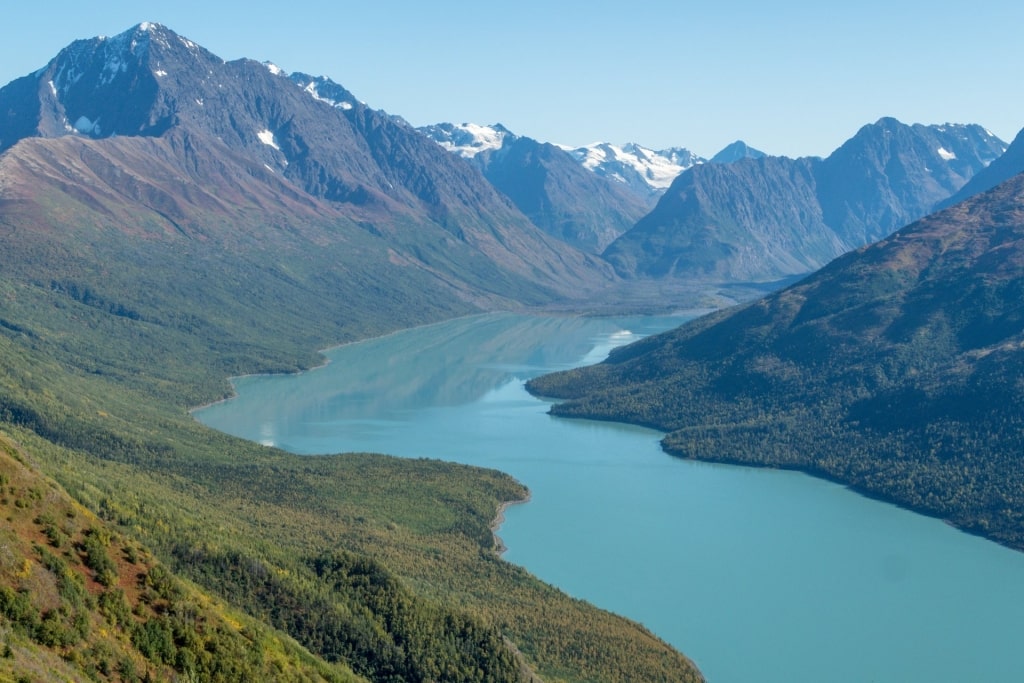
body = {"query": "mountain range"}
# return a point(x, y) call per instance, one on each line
point(155, 122)
point(169, 220)
point(587, 204)
point(161, 130)
point(742, 216)
point(895, 369)
point(646, 172)
point(768, 218)
point(559, 195)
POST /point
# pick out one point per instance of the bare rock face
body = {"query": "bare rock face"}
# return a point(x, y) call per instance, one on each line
point(167, 131)
point(771, 217)
point(1000, 170)
point(559, 195)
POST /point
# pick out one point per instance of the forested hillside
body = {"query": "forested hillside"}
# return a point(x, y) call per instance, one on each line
point(896, 369)
point(386, 560)
point(155, 246)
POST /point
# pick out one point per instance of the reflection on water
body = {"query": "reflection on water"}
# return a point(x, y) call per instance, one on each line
point(447, 364)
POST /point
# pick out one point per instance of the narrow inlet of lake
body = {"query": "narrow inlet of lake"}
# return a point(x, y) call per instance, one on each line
point(758, 575)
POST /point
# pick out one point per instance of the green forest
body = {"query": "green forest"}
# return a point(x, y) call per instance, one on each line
point(149, 547)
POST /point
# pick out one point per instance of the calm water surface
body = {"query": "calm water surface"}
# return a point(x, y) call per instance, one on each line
point(758, 575)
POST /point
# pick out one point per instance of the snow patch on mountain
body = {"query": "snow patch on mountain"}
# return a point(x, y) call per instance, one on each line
point(946, 154)
point(114, 66)
point(267, 138)
point(323, 89)
point(631, 162)
point(315, 94)
point(467, 139)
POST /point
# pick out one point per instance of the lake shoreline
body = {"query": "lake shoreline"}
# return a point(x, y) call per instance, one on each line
point(806, 469)
point(715, 558)
point(499, 519)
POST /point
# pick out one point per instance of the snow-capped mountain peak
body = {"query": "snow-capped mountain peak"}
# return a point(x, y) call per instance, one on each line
point(468, 139)
point(644, 171)
point(640, 167)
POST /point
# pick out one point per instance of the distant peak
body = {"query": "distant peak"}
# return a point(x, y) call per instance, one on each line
point(736, 151)
point(888, 123)
point(136, 32)
point(468, 139)
point(636, 165)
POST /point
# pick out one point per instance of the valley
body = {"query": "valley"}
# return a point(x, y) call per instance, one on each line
point(169, 220)
point(692, 550)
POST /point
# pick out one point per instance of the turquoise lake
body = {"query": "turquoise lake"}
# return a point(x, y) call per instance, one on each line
point(758, 575)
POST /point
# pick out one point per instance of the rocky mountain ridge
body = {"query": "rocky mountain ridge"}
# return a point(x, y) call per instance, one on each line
point(643, 171)
point(768, 218)
point(247, 125)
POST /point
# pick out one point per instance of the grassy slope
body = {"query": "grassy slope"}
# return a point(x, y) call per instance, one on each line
point(82, 602)
point(103, 346)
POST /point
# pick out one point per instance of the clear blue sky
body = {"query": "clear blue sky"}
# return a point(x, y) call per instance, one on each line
point(792, 78)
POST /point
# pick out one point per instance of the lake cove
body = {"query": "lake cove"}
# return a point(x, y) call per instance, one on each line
point(758, 575)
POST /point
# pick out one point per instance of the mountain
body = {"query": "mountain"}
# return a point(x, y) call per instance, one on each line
point(167, 221)
point(647, 172)
point(736, 151)
point(224, 131)
point(762, 219)
point(546, 183)
point(890, 174)
point(895, 370)
point(467, 139)
point(562, 198)
point(748, 220)
point(1005, 167)
point(644, 172)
